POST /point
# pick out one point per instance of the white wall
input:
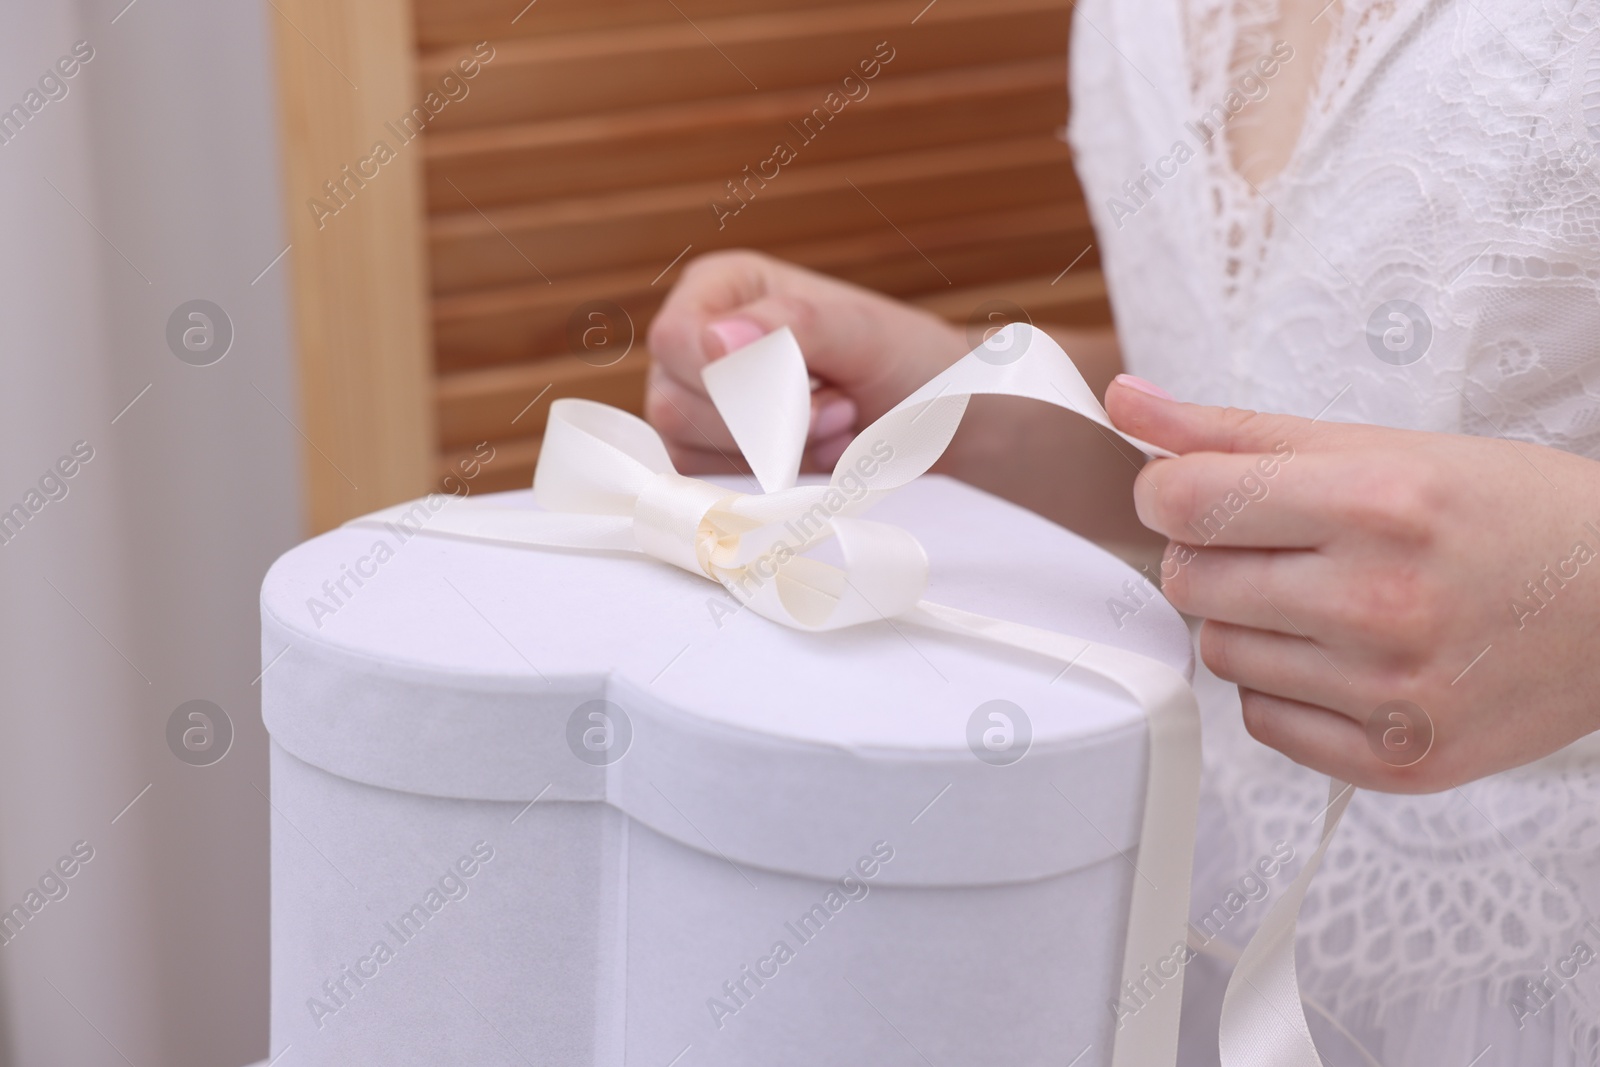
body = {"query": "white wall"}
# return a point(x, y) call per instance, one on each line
point(137, 591)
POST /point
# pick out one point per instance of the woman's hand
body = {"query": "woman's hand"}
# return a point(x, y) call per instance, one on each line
point(868, 351)
point(1340, 568)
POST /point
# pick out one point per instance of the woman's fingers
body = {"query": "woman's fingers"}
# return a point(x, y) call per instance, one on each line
point(726, 300)
point(825, 453)
point(1186, 428)
point(1268, 589)
point(1337, 746)
point(1263, 500)
point(706, 463)
point(699, 442)
point(684, 417)
point(728, 329)
point(712, 288)
point(834, 422)
point(1287, 666)
point(1279, 499)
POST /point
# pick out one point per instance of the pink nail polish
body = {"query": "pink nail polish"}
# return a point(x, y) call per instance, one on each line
point(836, 417)
point(1149, 388)
point(733, 334)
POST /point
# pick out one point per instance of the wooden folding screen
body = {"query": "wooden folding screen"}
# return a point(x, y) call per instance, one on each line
point(570, 165)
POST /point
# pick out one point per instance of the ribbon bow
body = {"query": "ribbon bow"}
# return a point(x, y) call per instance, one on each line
point(604, 481)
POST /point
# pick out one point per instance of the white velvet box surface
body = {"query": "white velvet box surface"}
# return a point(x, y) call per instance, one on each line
point(790, 854)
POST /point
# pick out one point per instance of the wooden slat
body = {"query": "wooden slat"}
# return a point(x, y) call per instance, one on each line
point(358, 279)
point(510, 468)
point(969, 249)
point(496, 327)
point(441, 23)
point(523, 322)
point(621, 67)
point(1044, 299)
point(715, 139)
point(504, 403)
point(652, 226)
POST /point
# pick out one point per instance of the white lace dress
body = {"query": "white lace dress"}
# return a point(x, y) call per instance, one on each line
point(1428, 258)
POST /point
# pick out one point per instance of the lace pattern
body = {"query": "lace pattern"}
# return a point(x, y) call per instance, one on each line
point(1449, 158)
point(1441, 905)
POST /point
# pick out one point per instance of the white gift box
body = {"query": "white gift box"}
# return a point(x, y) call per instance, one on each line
point(582, 808)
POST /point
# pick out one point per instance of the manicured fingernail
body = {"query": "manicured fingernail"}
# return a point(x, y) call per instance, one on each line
point(733, 334)
point(1145, 387)
point(836, 416)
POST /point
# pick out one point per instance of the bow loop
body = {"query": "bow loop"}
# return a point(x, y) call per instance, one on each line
point(595, 458)
point(763, 393)
point(885, 574)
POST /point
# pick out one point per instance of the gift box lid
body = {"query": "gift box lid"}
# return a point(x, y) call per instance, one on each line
point(450, 668)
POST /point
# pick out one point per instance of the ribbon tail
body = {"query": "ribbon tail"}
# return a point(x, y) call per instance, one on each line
point(503, 525)
point(1263, 1021)
point(1158, 913)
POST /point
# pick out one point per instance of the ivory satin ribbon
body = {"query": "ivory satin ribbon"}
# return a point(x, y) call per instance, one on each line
point(604, 481)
